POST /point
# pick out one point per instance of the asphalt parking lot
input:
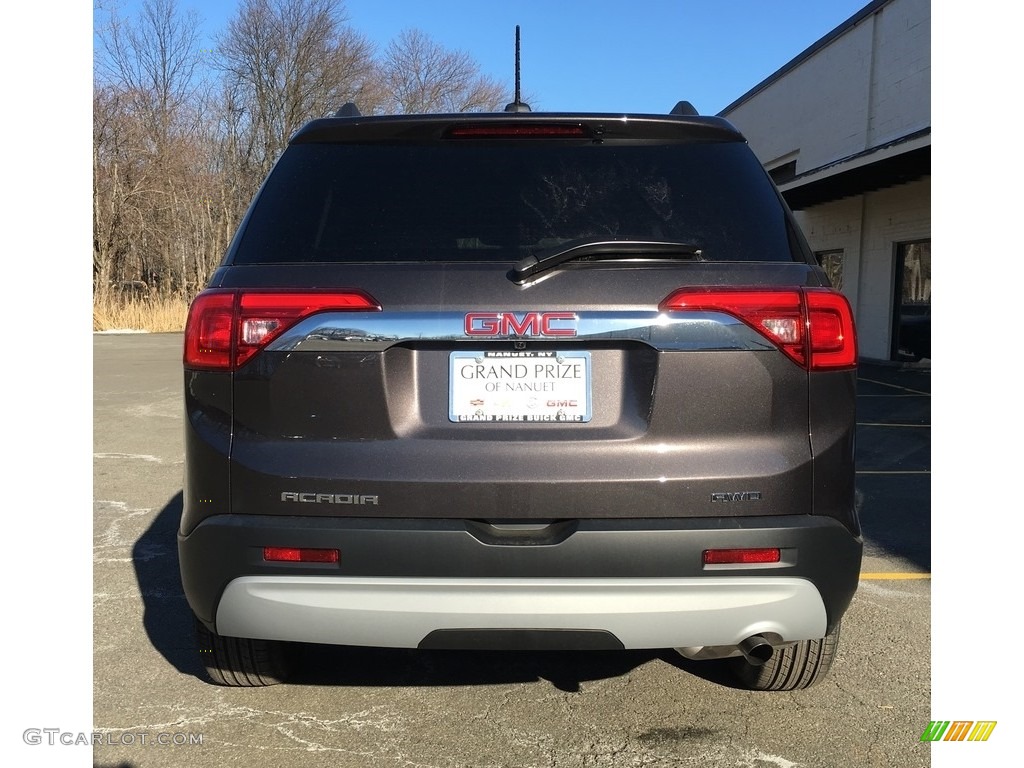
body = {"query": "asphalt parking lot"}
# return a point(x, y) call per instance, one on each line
point(382, 708)
point(894, 464)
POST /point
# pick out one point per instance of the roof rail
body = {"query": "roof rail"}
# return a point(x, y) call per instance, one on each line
point(684, 108)
point(349, 110)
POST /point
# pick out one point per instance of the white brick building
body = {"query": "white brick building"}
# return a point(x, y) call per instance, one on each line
point(845, 130)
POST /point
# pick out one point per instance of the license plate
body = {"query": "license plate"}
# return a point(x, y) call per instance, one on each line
point(519, 386)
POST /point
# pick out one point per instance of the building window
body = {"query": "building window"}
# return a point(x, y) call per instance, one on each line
point(832, 263)
point(912, 332)
point(917, 272)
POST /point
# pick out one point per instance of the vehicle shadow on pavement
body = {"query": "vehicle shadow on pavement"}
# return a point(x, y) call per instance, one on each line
point(565, 670)
point(166, 618)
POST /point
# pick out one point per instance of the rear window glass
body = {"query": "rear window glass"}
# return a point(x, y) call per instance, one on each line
point(502, 201)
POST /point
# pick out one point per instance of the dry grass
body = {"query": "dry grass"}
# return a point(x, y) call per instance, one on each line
point(156, 315)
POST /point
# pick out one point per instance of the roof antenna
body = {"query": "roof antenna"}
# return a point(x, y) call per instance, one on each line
point(517, 105)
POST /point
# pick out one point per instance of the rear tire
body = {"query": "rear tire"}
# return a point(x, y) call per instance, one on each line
point(791, 668)
point(241, 662)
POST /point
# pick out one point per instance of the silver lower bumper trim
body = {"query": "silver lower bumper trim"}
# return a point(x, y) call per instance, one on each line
point(399, 613)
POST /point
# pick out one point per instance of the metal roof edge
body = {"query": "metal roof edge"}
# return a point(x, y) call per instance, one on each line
point(911, 141)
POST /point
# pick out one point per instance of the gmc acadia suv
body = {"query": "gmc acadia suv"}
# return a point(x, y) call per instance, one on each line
point(520, 381)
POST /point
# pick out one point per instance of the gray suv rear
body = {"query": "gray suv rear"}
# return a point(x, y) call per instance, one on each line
point(520, 381)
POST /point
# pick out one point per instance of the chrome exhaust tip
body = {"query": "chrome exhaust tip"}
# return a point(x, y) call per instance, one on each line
point(756, 650)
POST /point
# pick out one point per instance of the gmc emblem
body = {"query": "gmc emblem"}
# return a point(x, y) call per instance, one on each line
point(521, 324)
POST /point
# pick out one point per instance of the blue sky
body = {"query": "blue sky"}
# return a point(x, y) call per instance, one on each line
point(602, 55)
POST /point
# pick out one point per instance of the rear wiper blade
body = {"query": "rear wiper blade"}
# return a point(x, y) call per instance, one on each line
point(548, 258)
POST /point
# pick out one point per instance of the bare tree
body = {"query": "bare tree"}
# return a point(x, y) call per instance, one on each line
point(154, 61)
point(153, 174)
point(179, 149)
point(420, 76)
point(286, 62)
point(121, 185)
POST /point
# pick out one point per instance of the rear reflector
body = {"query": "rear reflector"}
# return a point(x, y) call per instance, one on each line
point(743, 556)
point(227, 327)
point(812, 326)
point(517, 131)
point(299, 555)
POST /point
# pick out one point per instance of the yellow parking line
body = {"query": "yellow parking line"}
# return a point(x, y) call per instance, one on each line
point(894, 576)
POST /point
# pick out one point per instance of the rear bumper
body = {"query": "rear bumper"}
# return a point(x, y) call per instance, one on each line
point(408, 613)
point(400, 581)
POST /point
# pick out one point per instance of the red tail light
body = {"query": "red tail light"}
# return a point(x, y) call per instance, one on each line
point(226, 327)
point(833, 339)
point(813, 326)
